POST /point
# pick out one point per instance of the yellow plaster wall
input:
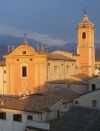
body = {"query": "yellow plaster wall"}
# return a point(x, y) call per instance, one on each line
point(85, 48)
point(36, 64)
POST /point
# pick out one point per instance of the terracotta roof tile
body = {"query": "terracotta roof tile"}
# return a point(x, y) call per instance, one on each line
point(59, 57)
point(36, 102)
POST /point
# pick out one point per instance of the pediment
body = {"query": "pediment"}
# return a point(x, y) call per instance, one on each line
point(24, 49)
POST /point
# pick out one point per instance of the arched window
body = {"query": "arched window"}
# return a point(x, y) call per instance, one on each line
point(84, 35)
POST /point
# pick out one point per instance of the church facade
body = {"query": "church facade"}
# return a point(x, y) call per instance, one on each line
point(24, 70)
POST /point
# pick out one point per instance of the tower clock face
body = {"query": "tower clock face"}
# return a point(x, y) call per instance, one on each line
point(84, 35)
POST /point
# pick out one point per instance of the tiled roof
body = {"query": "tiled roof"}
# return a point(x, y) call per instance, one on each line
point(68, 81)
point(66, 95)
point(35, 102)
point(54, 56)
point(82, 77)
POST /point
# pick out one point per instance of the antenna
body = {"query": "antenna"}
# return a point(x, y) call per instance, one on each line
point(45, 47)
point(25, 37)
point(38, 46)
point(85, 11)
point(13, 47)
point(42, 47)
point(9, 48)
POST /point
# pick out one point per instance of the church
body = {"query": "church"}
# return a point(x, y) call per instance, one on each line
point(24, 70)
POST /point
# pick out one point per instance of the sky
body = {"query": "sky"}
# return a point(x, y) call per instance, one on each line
point(47, 19)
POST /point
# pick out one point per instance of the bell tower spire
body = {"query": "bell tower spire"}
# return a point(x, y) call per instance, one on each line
point(85, 48)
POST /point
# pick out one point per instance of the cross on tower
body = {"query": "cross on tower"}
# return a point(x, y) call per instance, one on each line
point(85, 11)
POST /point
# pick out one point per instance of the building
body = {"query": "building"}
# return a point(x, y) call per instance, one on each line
point(61, 66)
point(34, 112)
point(94, 83)
point(37, 88)
point(85, 47)
point(74, 85)
point(23, 71)
point(90, 99)
point(78, 119)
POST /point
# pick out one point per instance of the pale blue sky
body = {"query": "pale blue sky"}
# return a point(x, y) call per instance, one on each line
point(55, 18)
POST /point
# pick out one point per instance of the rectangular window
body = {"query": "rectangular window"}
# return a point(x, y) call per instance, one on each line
point(17, 117)
point(55, 68)
point(93, 87)
point(3, 115)
point(29, 117)
point(76, 102)
point(94, 103)
point(24, 71)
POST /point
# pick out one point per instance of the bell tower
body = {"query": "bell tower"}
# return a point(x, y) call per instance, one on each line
point(85, 47)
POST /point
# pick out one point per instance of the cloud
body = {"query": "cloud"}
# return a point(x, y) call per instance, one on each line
point(43, 38)
point(46, 39)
